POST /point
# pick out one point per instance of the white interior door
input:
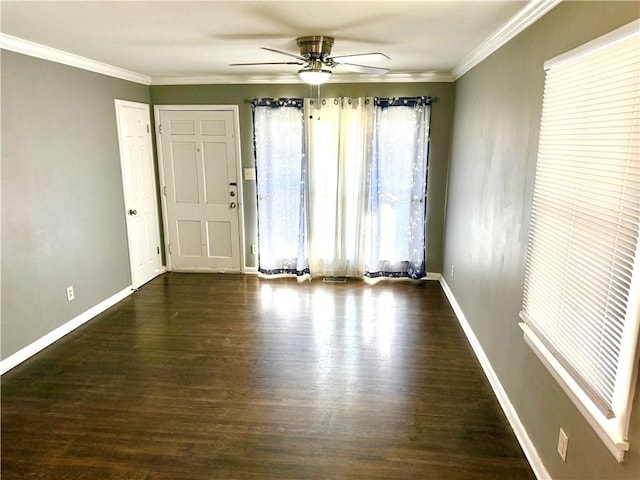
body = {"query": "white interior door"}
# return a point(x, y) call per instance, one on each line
point(140, 199)
point(202, 196)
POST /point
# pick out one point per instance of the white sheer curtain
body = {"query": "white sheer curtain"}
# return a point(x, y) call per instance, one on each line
point(396, 189)
point(363, 195)
point(281, 179)
point(338, 137)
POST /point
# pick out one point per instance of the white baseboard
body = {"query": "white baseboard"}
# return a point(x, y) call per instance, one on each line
point(509, 410)
point(46, 340)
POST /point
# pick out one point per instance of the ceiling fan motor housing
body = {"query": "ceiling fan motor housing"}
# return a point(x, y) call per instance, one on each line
point(315, 47)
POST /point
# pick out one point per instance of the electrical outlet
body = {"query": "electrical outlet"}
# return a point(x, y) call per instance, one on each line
point(70, 294)
point(452, 271)
point(563, 441)
point(254, 249)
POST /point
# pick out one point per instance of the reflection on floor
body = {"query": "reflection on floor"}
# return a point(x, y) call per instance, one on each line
point(199, 376)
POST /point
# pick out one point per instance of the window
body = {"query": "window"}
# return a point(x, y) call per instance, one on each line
point(581, 303)
point(341, 186)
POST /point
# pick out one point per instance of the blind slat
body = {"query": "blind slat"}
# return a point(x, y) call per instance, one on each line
point(585, 216)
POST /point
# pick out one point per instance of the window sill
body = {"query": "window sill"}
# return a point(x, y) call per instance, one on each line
point(609, 430)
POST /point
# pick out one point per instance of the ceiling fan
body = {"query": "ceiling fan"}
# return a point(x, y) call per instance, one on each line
point(315, 57)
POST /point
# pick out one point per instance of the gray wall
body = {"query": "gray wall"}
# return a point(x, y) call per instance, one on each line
point(62, 200)
point(441, 120)
point(491, 173)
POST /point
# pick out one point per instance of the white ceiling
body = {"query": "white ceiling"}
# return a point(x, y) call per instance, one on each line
point(187, 41)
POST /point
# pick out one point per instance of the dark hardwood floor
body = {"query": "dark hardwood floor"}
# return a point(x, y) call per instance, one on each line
point(201, 376)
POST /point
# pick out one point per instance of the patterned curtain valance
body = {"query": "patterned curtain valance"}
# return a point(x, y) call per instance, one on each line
point(277, 102)
point(403, 101)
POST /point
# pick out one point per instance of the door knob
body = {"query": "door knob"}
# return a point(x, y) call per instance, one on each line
point(232, 205)
point(133, 212)
point(232, 194)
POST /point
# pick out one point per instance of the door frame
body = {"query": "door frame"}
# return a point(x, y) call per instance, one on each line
point(157, 110)
point(127, 103)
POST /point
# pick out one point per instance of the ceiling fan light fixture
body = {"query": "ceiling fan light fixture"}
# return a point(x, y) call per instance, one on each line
point(314, 76)
point(318, 64)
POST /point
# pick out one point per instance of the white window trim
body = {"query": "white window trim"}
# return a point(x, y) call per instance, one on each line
point(613, 432)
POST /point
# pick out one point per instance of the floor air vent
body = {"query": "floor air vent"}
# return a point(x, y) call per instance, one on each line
point(334, 280)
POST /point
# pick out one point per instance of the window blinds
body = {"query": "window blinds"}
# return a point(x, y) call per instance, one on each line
point(582, 257)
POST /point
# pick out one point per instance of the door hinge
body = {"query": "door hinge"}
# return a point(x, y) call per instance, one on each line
point(148, 129)
point(158, 249)
point(160, 129)
point(164, 190)
point(169, 247)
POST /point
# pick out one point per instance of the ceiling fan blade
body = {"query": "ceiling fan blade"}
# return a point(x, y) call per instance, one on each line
point(352, 67)
point(362, 57)
point(265, 63)
point(285, 53)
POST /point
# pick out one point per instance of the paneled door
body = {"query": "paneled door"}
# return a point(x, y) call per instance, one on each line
point(140, 191)
point(202, 195)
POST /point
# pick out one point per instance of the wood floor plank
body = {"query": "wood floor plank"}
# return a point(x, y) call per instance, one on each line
point(200, 376)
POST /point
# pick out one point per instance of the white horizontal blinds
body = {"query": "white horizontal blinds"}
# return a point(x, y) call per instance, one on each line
point(586, 214)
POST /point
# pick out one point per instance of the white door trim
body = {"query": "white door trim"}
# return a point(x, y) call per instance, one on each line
point(145, 106)
point(157, 109)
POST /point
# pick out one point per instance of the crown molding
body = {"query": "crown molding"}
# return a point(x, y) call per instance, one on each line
point(293, 78)
point(519, 22)
point(18, 45)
